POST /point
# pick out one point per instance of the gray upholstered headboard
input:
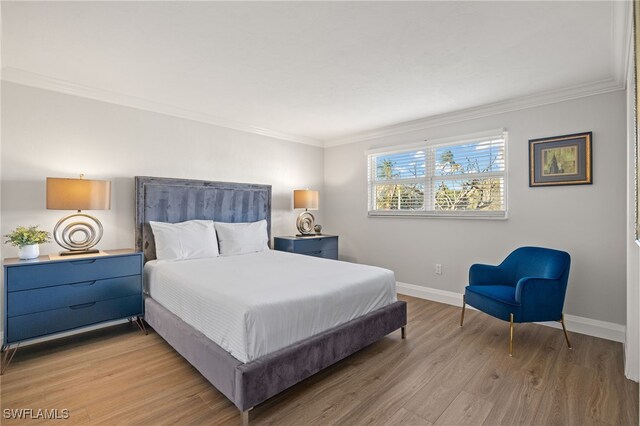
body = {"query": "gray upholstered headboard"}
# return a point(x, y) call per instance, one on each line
point(176, 200)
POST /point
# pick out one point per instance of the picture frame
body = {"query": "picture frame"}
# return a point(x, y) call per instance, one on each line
point(561, 160)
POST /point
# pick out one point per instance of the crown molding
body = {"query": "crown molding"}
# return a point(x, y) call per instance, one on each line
point(27, 78)
point(524, 102)
point(621, 32)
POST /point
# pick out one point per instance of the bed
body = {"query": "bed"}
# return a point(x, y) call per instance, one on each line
point(251, 363)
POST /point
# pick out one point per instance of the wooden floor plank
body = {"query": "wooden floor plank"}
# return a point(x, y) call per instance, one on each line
point(407, 418)
point(466, 409)
point(441, 374)
point(436, 395)
point(566, 401)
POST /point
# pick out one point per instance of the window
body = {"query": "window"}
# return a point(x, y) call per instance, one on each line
point(457, 177)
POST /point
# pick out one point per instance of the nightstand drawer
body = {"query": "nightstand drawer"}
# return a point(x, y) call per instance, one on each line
point(308, 244)
point(43, 323)
point(73, 271)
point(325, 246)
point(47, 298)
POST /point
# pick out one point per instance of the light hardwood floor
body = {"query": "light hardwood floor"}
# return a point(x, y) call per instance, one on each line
point(440, 375)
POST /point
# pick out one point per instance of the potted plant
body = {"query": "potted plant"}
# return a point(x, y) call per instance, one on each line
point(27, 239)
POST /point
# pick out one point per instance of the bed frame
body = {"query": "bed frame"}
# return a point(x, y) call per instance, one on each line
point(245, 384)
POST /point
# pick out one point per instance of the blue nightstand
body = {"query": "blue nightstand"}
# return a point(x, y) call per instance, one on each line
point(325, 246)
point(44, 297)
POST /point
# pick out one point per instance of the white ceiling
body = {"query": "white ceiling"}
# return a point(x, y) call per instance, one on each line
point(318, 70)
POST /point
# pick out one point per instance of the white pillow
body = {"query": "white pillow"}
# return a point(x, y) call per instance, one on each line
point(242, 238)
point(193, 239)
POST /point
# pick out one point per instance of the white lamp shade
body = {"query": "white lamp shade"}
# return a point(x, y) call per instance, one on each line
point(305, 199)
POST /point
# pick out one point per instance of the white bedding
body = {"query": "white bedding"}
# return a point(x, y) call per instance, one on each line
point(254, 304)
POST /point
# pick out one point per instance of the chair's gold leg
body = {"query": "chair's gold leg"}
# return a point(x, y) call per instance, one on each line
point(510, 334)
point(566, 336)
point(462, 317)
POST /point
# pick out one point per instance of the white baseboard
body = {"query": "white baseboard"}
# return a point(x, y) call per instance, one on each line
point(428, 293)
point(575, 324)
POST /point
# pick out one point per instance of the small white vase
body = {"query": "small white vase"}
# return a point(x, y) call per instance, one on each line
point(29, 252)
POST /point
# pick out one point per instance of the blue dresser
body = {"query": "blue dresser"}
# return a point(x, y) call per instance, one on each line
point(325, 246)
point(44, 297)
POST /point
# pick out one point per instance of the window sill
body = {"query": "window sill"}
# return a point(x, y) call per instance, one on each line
point(448, 215)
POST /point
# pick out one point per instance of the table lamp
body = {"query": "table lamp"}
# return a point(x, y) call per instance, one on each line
point(305, 199)
point(78, 232)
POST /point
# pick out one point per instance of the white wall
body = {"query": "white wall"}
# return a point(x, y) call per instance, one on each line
point(46, 133)
point(588, 221)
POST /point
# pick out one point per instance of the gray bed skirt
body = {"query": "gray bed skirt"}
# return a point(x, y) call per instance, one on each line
point(249, 384)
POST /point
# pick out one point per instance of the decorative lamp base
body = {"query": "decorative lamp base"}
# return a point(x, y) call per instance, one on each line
point(77, 252)
point(77, 234)
point(305, 224)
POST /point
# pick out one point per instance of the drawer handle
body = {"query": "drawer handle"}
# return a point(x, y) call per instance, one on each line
point(85, 284)
point(82, 262)
point(82, 306)
point(315, 252)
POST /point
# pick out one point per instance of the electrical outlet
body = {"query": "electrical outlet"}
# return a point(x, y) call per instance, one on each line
point(438, 269)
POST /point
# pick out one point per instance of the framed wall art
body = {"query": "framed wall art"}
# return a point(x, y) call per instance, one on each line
point(561, 160)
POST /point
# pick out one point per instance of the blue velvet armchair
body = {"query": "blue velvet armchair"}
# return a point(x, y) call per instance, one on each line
point(528, 286)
